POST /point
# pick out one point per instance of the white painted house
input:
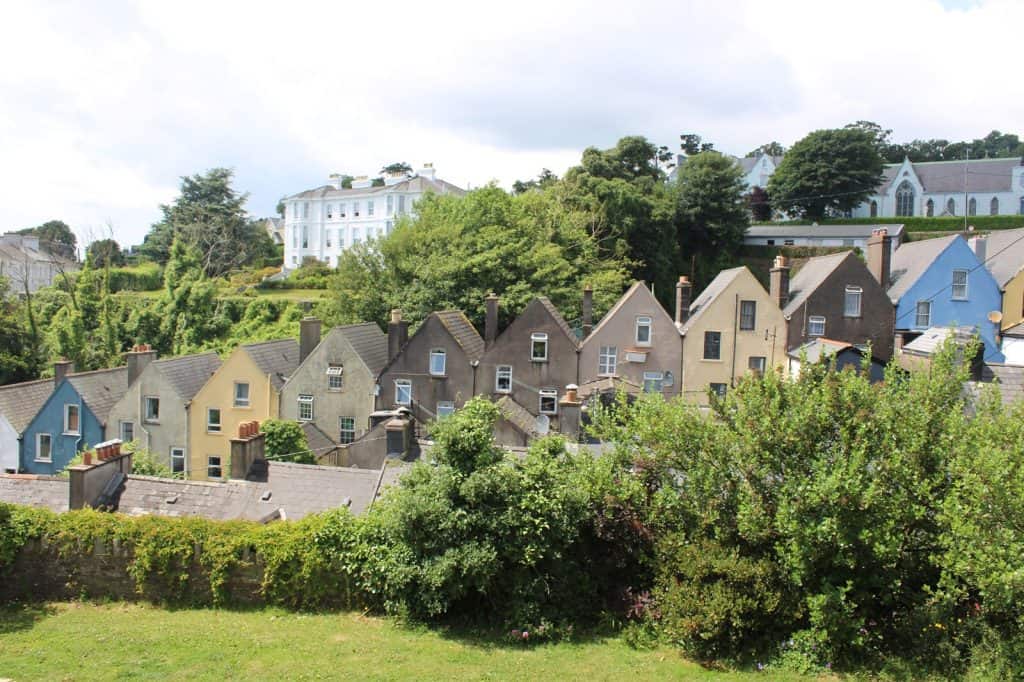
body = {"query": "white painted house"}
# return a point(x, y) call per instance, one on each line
point(851, 236)
point(321, 223)
point(26, 265)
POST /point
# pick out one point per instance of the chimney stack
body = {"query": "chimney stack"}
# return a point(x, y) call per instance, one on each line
point(779, 281)
point(309, 336)
point(980, 247)
point(398, 333)
point(588, 310)
point(880, 256)
point(137, 359)
point(61, 369)
point(684, 296)
point(491, 320)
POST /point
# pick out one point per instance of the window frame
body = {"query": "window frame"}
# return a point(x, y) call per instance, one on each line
point(236, 401)
point(49, 447)
point(502, 372)
point(399, 384)
point(436, 353)
point(78, 420)
point(211, 426)
point(346, 433)
point(813, 322)
point(305, 402)
point(448, 406)
point(953, 284)
point(758, 367)
point(210, 466)
point(653, 376)
point(121, 430)
point(644, 321)
point(536, 338)
point(182, 457)
point(708, 336)
point(607, 360)
point(720, 393)
point(148, 416)
point(853, 290)
point(335, 371)
point(917, 314)
point(547, 394)
point(753, 315)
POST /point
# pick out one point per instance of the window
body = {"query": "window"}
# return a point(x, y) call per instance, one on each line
point(951, 206)
point(305, 209)
point(905, 199)
point(851, 305)
point(213, 420)
point(748, 315)
point(403, 391)
point(305, 236)
point(369, 207)
point(335, 377)
point(127, 432)
point(757, 363)
point(816, 325)
point(548, 401)
point(993, 206)
point(390, 205)
point(874, 209)
point(972, 206)
point(356, 235)
point(389, 226)
point(295, 260)
point(503, 379)
point(213, 468)
point(330, 211)
point(437, 362)
point(445, 408)
point(305, 408)
point(643, 330)
point(71, 421)
point(341, 210)
point(712, 345)
point(355, 209)
point(788, 242)
point(328, 235)
point(295, 238)
point(929, 208)
point(607, 359)
point(401, 204)
point(960, 285)
point(771, 242)
point(653, 382)
point(241, 394)
point(44, 444)
point(924, 314)
point(539, 346)
point(719, 389)
point(178, 462)
point(346, 429)
point(152, 409)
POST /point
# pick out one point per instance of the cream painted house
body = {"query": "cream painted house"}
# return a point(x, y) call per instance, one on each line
point(247, 387)
point(732, 328)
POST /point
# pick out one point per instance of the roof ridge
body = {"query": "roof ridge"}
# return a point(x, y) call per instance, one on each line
point(90, 372)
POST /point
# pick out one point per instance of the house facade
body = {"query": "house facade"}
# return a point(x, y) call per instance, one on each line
point(1002, 252)
point(28, 266)
point(321, 223)
point(19, 404)
point(847, 236)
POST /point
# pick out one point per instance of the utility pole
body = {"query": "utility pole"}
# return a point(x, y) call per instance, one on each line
point(966, 200)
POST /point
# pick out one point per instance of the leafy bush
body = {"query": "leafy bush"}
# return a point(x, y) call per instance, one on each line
point(286, 441)
point(935, 224)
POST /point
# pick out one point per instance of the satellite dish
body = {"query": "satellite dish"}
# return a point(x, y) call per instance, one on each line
point(542, 425)
point(995, 317)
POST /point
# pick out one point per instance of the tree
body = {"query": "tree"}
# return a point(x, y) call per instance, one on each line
point(543, 180)
point(827, 171)
point(55, 236)
point(768, 149)
point(279, 209)
point(760, 204)
point(20, 352)
point(398, 168)
point(692, 144)
point(286, 442)
point(105, 252)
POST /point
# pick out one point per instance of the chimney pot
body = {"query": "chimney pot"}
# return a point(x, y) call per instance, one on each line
point(137, 360)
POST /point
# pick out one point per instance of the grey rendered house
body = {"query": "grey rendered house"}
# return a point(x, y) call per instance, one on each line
point(154, 411)
point(335, 384)
point(526, 368)
point(434, 372)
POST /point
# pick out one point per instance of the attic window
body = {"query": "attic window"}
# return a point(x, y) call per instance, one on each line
point(438, 362)
point(539, 346)
point(335, 377)
point(643, 330)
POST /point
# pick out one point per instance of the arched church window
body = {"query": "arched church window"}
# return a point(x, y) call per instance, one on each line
point(972, 206)
point(929, 208)
point(905, 199)
point(874, 208)
point(951, 206)
point(993, 207)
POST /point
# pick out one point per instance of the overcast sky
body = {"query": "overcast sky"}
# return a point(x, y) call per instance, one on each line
point(103, 106)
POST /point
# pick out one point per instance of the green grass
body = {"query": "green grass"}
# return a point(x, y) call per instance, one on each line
point(79, 641)
point(293, 294)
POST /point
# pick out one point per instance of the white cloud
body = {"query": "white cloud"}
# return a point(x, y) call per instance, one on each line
point(105, 106)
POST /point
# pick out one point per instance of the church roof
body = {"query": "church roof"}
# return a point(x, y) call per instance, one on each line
point(980, 175)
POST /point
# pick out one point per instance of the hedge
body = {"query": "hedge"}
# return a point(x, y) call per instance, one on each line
point(922, 224)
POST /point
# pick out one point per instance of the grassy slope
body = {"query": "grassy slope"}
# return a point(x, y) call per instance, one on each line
point(101, 642)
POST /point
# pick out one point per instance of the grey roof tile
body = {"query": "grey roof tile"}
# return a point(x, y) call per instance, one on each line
point(189, 373)
point(20, 403)
point(101, 389)
point(821, 231)
point(462, 330)
point(517, 415)
point(810, 276)
point(1004, 254)
point(278, 359)
point(981, 175)
point(369, 343)
point(48, 492)
point(318, 441)
point(911, 260)
point(710, 293)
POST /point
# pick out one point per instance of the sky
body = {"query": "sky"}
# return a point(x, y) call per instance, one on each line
point(105, 105)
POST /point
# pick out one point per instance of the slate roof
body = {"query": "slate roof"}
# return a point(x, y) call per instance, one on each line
point(911, 260)
point(279, 359)
point(982, 175)
point(819, 348)
point(462, 330)
point(748, 162)
point(559, 320)
point(932, 339)
point(517, 415)
point(48, 492)
point(369, 343)
point(318, 441)
point(1010, 379)
point(822, 231)
point(810, 276)
point(1004, 254)
point(19, 403)
point(719, 284)
point(188, 374)
point(1016, 331)
point(415, 184)
point(101, 389)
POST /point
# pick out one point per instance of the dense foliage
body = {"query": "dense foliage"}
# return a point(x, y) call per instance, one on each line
point(54, 236)
point(286, 441)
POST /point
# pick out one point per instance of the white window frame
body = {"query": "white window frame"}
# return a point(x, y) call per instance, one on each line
point(178, 453)
point(305, 407)
point(335, 377)
point(355, 209)
point(147, 414)
point(401, 384)
point(816, 325)
point(390, 205)
point(445, 408)
point(643, 322)
point(650, 378)
point(964, 286)
point(121, 431)
point(78, 415)
point(535, 338)
point(852, 291)
point(346, 435)
point(928, 314)
point(369, 207)
point(210, 466)
point(607, 360)
point(503, 372)
point(39, 447)
point(341, 210)
point(240, 402)
point(435, 354)
point(214, 427)
point(549, 395)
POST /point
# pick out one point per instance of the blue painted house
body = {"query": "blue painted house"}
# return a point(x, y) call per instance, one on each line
point(941, 283)
point(72, 419)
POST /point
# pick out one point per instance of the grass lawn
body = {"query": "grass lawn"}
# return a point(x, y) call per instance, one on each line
point(78, 641)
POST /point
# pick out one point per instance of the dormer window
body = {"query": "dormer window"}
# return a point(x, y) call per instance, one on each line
point(539, 347)
point(643, 330)
point(437, 362)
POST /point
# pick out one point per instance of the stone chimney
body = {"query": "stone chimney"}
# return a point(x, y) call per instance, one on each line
point(588, 310)
point(779, 281)
point(309, 336)
point(980, 247)
point(570, 413)
point(398, 334)
point(138, 358)
point(248, 453)
point(880, 256)
point(98, 484)
point(684, 296)
point(491, 319)
point(61, 369)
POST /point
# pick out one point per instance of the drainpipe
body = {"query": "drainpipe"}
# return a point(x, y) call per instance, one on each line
point(735, 332)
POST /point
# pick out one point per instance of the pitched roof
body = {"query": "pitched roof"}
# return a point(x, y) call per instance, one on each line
point(559, 320)
point(1004, 254)
point(415, 184)
point(19, 403)
point(822, 231)
point(819, 348)
point(929, 342)
point(317, 441)
point(279, 359)
point(911, 260)
point(517, 415)
point(369, 343)
point(462, 330)
point(748, 162)
point(719, 284)
point(981, 175)
point(101, 389)
point(614, 310)
point(811, 276)
point(188, 373)
point(1016, 330)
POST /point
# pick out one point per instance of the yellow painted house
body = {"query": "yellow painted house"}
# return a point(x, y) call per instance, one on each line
point(732, 328)
point(247, 387)
point(1002, 251)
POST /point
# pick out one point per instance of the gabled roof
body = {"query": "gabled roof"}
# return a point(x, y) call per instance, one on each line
point(748, 162)
point(1004, 254)
point(719, 284)
point(980, 175)
point(818, 348)
point(462, 330)
point(20, 403)
point(369, 343)
point(557, 317)
point(811, 276)
point(614, 310)
point(188, 373)
point(911, 260)
point(319, 442)
point(278, 359)
point(101, 389)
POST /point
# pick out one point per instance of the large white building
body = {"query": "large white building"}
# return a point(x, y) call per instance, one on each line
point(321, 223)
point(26, 265)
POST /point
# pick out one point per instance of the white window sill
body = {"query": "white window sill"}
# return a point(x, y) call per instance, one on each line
point(43, 461)
point(71, 433)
